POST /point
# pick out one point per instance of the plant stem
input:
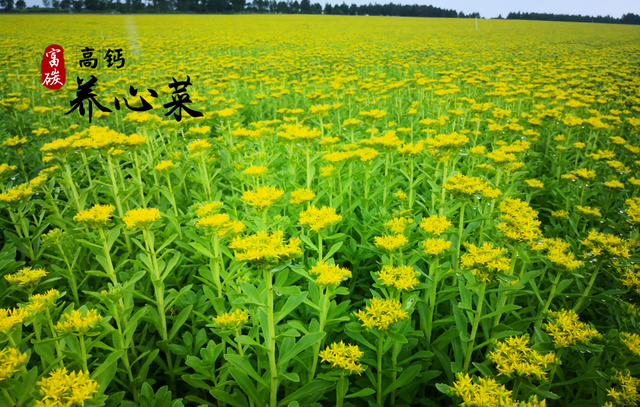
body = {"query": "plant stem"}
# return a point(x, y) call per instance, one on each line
point(83, 349)
point(340, 391)
point(585, 293)
point(548, 303)
point(433, 271)
point(460, 230)
point(272, 340)
point(324, 310)
point(379, 368)
point(474, 329)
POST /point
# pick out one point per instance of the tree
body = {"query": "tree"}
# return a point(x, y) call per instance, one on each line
point(305, 6)
point(20, 4)
point(328, 8)
point(6, 4)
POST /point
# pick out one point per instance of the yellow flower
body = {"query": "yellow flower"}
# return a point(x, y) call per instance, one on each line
point(400, 277)
point(519, 221)
point(436, 224)
point(632, 342)
point(10, 361)
point(97, 216)
point(264, 247)
point(614, 184)
point(411, 148)
point(484, 261)
point(6, 169)
point(606, 244)
point(255, 170)
point(381, 314)
point(263, 197)
point(513, 357)
point(587, 210)
point(628, 395)
point(344, 357)
point(559, 255)
point(228, 112)
point(17, 194)
point(390, 242)
point(434, 247)
point(329, 274)
point(326, 171)
point(231, 320)
point(165, 165)
point(443, 145)
point(401, 196)
point(566, 329)
point(221, 224)
point(319, 219)
point(12, 317)
point(39, 302)
point(78, 324)
point(26, 277)
point(487, 392)
point(633, 210)
point(398, 225)
point(534, 183)
point(373, 114)
point(141, 218)
point(463, 185)
point(198, 146)
point(204, 209)
point(560, 214)
point(388, 141)
point(582, 173)
point(301, 195)
point(66, 389)
point(15, 141)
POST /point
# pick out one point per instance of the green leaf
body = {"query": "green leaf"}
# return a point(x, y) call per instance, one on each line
point(201, 249)
point(446, 389)
point(407, 376)
point(224, 397)
point(291, 304)
point(106, 371)
point(483, 369)
point(179, 321)
point(308, 241)
point(333, 250)
point(292, 377)
point(246, 340)
point(246, 385)
point(302, 344)
point(362, 393)
point(242, 364)
point(461, 323)
point(316, 387)
point(396, 337)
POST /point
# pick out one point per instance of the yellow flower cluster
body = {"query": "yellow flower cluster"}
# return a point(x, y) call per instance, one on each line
point(38, 302)
point(388, 141)
point(78, 324)
point(558, 253)
point(221, 224)
point(344, 357)
point(381, 313)
point(443, 145)
point(632, 342)
point(141, 218)
point(373, 114)
point(5, 170)
point(534, 183)
point(97, 216)
point(263, 197)
point(581, 173)
point(412, 148)
point(165, 165)
point(329, 274)
point(319, 219)
point(232, 320)
point(519, 221)
point(513, 357)
point(631, 279)
point(197, 147)
point(14, 141)
point(460, 184)
point(484, 261)
point(589, 211)
point(255, 170)
point(633, 210)
point(301, 195)
point(390, 242)
point(204, 209)
point(599, 244)
point(566, 329)
point(27, 277)
point(487, 392)
point(17, 194)
point(435, 246)
point(398, 225)
point(66, 389)
point(10, 361)
point(12, 317)
point(436, 224)
point(628, 395)
point(298, 132)
point(264, 247)
point(399, 277)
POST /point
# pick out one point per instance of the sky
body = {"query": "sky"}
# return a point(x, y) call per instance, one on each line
point(489, 9)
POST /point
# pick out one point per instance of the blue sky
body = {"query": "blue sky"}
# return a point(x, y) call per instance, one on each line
point(615, 8)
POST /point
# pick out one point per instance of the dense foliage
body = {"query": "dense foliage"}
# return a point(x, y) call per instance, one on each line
point(370, 212)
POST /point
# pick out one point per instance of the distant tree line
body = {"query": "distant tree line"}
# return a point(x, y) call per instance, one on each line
point(629, 18)
point(239, 6)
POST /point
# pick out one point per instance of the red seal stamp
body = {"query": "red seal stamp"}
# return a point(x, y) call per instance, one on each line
point(54, 74)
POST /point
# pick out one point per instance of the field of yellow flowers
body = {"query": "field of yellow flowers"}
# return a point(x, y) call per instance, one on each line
point(369, 212)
